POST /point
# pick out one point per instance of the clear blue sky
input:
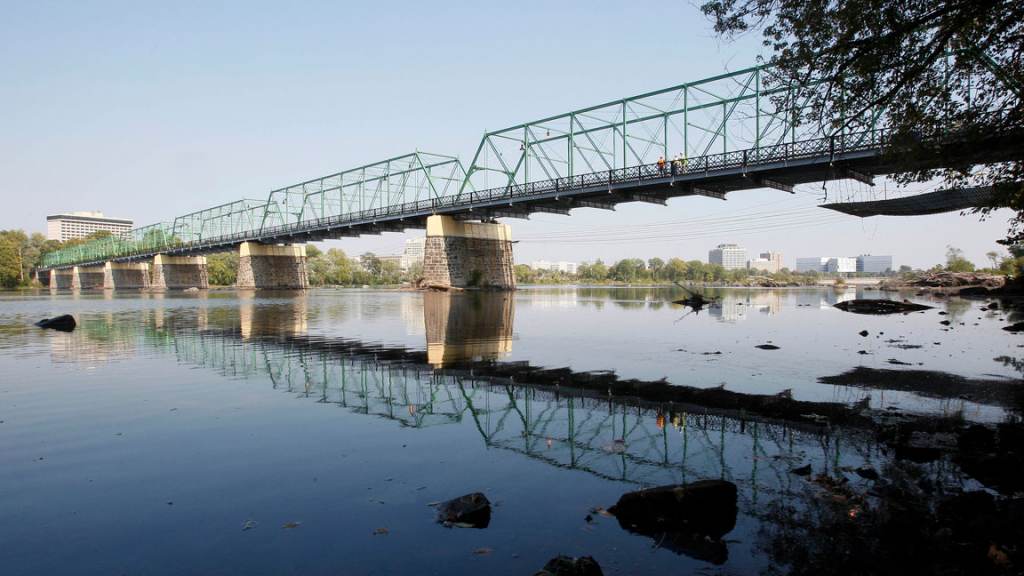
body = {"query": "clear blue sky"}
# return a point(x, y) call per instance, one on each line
point(149, 111)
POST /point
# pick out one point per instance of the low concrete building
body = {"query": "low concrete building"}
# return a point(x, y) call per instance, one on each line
point(869, 264)
point(770, 262)
point(563, 267)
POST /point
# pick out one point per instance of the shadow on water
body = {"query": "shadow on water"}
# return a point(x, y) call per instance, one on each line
point(820, 481)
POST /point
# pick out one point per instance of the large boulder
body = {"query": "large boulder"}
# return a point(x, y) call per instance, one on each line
point(688, 519)
point(469, 511)
point(64, 323)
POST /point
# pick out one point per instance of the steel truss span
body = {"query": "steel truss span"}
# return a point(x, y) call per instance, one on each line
point(731, 132)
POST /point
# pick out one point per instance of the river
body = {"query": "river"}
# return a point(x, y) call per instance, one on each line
point(228, 432)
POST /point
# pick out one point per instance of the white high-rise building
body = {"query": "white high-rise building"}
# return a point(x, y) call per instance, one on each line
point(413, 254)
point(728, 256)
point(81, 224)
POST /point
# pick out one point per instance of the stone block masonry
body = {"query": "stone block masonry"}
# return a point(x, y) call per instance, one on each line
point(179, 272)
point(87, 277)
point(267, 266)
point(61, 279)
point(126, 276)
point(468, 254)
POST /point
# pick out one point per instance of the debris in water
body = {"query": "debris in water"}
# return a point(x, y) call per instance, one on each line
point(249, 525)
point(802, 471)
point(472, 510)
point(871, 306)
point(290, 525)
point(767, 347)
point(483, 551)
point(568, 566)
point(381, 531)
point(864, 333)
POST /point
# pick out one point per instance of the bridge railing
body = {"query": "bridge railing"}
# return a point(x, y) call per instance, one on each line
point(160, 240)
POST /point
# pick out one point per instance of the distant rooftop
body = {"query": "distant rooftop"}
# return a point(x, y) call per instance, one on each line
point(88, 214)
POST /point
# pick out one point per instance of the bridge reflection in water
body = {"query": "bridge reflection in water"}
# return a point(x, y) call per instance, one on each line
point(460, 378)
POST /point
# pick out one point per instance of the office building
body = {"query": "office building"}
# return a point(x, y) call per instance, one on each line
point(728, 256)
point(874, 264)
point(71, 225)
point(770, 262)
point(841, 265)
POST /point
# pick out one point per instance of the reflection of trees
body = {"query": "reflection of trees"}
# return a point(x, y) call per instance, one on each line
point(956, 308)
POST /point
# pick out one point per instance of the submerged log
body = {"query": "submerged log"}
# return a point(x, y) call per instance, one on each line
point(870, 306)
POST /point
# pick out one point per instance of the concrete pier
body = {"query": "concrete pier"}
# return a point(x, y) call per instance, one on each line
point(126, 276)
point(468, 254)
point(87, 277)
point(268, 266)
point(179, 272)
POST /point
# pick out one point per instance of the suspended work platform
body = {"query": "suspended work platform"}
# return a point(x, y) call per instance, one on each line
point(918, 205)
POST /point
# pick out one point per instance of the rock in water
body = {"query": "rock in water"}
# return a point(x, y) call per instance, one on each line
point(567, 566)
point(688, 519)
point(65, 323)
point(869, 306)
point(472, 510)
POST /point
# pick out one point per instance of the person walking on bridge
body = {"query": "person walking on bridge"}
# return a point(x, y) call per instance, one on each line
point(661, 165)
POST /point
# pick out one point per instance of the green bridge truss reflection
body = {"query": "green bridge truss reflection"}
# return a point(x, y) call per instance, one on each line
point(459, 378)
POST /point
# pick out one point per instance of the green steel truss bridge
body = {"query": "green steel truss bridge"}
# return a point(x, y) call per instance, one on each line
point(728, 128)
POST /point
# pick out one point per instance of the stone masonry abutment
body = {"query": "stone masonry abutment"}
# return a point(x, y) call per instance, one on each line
point(179, 272)
point(126, 276)
point(468, 254)
point(268, 266)
point(86, 277)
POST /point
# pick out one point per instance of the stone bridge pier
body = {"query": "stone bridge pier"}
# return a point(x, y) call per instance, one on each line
point(87, 277)
point(126, 276)
point(272, 267)
point(61, 279)
point(179, 272)
point(468, 254)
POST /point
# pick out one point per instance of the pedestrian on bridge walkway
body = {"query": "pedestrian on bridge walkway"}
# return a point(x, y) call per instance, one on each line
point(661, 165)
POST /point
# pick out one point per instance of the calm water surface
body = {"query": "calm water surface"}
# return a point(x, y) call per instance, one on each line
point(224, 432)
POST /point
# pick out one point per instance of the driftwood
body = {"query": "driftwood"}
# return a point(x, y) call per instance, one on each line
point(694, 300)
